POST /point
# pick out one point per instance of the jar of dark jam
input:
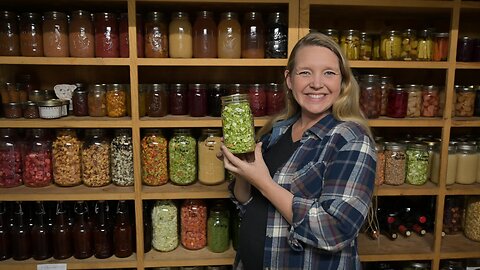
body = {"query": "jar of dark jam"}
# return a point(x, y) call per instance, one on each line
point(253, 35)
point(80, 100)
point(397, 102)
point(275, 98)
point(258, 99)
point(178, 99)
point(276, 36)
point(9, 41)
point(157, 100)
point(106, 35)
point(197, 99)
point(465, 48)
point(31, 35)
point(215, 93)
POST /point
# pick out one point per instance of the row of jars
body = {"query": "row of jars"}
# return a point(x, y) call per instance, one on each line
point(462, 214)
point(105, 34)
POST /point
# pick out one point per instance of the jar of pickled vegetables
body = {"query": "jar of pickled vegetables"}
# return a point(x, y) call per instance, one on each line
point(465, 101)
point(472, 217)
point(154, 158)
point(96, 158)
point(425, 45)
point(116, 100)
point(409, 45)
point(370, 95)
point(66, 151)
point(210, 169)
point(332, 33)
point(193, 218)
point(350, 44)
point(10, 158)
point(453, 214)
point(122, 157)
point(237, 122)
point(391, 45)
point(365, 46)
point(397, 102)
point(218, 229)
point(182, 151)
point(430, 101)
point(395, 163)
point(417, 164)
point(165, 225)
point(37, 161)
point(414, 102)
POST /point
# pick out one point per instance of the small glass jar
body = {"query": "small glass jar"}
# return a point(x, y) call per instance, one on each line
point(276, 39)
point(472, 212)
point(30, 110)
point(466, 164)
point(193, 218)
point(380, 170)
point(214, 100)
point(37, 161)
point(275, 98)
point(397, 102)
point(440, 46)
point(430, 101)
point(31, 35)
point(205, 35)
point(96, 158)
point(36, 95)
point(414, 102)
point(97, 100)
point(465, 49)
point(365, 46)
point(165, 225)
point(476, 110)
point(178, 99)
point(107, 43)
point(237, 122)
point(409, 45)
point(197, 99)
point(210, 169)
point(370, 95)
point(55, 34)
point(157, 100)
point(218, 229)
point(116, 100)
point(350, 44)
point(66, 151)
point(425, 45)
point(253, 35)
point(121, 158)
point(11, 166)
point(417, 164)
point(453, 214)
point(236, 88)
point(9, 36)
point(156, 35)
point(154, 158)
point(180, 36)
point(391, 45)
point(80, 100)
point(385, 85)
point(258, 99)
point(452, 265)
point(81, 34)
point(229, 42)
point(464, 101)
point(13, 109)
point(182, 153)
point(395, 164)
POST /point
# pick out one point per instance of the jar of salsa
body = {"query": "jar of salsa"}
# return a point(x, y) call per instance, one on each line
point(156, 35)
point(106, 35)
point(210, 169)
point(370, 95)
point(66, 151)
point(397, 102)
point(96, 158)
point(9, 40)
point(182, 153)
point(80, 100)
point(37, 160)
point(258, 99)
point(276, 36)
point(154, 158)
point(116, 100)
point(81, 36)
point(253, 35)
point(178, 99)
point(193, 218)
point(55, 34)
point(204, 35)
point(229, 36)
point(275, 98)
point(197, 99)
point(97, 100)
point(31, 35)
point(215, 93)
point(180, 36)
point(158, 100)
point(11, 166)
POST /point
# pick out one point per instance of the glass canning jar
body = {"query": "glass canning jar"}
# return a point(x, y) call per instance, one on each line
point(204, 35)
point(350, 44)
point(466, 164)
point(165, 225)
point(154, 158)
point(380, 169)
point(370, 95)
point(210, 169)
point(9, 39)
point(425, 45)
point(397, 102)
point(275, 98)
point(417, 164)
point(229, 36)
point(180, 36)
point(80, 100)
point(218, 229)
point(197, 99)
point(116, 100)
point(331, 33)
point(214, 100)
point(66, 151)
point(253, 35)
point(55, 34)
point(440, 46)
point(414, 102)
point(142, 99)
point(452, 161)
point(391, 45)
point(395, 163)
point(96, 158)
point(472, 214)
point(178, 99)
point(453, 214)
point(37, 161)
point(386, 85)
point(464, 101)
point(31, 35)
point(193, 218)
point(237, 123)
point(476, 110)
point(258, 99)
point(409, 45)
point(11, 166)
point(430, 101)
point(106, 35)
point(81, 34)
point(465, 49)
point(432, 147)
point(97, 100)
point(365, 46)
point(276, 38)
point(156, 35)
point(157, 100)
point(182, 153)
point(121, 157)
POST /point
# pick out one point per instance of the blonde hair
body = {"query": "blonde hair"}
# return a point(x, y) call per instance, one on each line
point(345, 108)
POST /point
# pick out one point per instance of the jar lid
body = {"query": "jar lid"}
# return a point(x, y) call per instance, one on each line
point(180, 14)
point(430, 88)
point(329, 32)
point(235, 98)
point(353, 32)
point(379, 147)
point(50, 103)
point(158, 87)
point(178, 86)
point(466, 146)
point(395, 147)
point(97, 87)
point(441, 35)
point(229, 15)
point(417, 146)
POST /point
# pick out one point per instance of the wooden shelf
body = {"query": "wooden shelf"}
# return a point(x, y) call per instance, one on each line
point(466, 122)
point(406, 122)
point(68, 122)
point(399, 64)
point(23, 60)
point(429, 189)
point(459, 247)
point(194, 191)
point(179, 121)
point(211, 62)
point(458, 189)
point(392, 3)
point(184, 257)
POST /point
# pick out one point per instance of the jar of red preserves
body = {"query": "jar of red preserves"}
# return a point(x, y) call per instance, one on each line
point(106, 35)
point(11, 166)
point(9, 41)
point(81, 39)
point(275, 98)
point(124, 38)
point(38, 159)
point(80, 100)
point(397, 102)
point(55, 34)
point(31, 35)
point(258, 99)
point(197, 99)
point(215, 93)
point(370, 95)
point(178, 99)
point(193, 216)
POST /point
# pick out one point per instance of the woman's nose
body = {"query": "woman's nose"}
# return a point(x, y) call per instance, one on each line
point(317, 81)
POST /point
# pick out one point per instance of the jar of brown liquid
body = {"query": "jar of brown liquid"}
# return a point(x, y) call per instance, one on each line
point(253, 36)
point(229, 36)
point(81, 39)
point(156, 35)
point(31, 36)
point(204, 36)
point(55, 34)
point(9, 42)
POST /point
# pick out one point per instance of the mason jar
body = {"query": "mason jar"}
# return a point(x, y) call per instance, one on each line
point(430, 101)
point(472, 213)
point(165, 225)
point(66, 151)
point(156, 35)
point(193, 218)
point(37, 161)
point(96, 158)
point(10, 158)
point(464, 101)
point(218, 229)
point(414, 102)
point(370, 95)
point(397, 102)
point(9, 36)
point(350, 44)
point(425, 45)
point(122, 157)
point(409, 45)
point(55, 34)
point(391, 45)
point(211, 170)
point(395, 164)
point(253, 35)
point(417, 164)
point(157, 100)
point(237, 123)
point(180, 36)
point(182, 153)
point(31, 35)
point(116, 100)
point(386, 85)
point(365, 46)
point(97, 100)
point(466, 164)
point(453, 214)
point(154, 158)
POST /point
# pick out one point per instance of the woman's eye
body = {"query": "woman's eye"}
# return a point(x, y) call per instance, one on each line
point(304, 73)
point(329, 73)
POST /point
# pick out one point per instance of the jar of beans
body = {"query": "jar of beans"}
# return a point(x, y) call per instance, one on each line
point(472, 218)
point(453, 214)
point(11, 166)
point(182, 150)
point(397, 102)
point(122, 158)
point(417, 164)
point(116, 100)
point(38, 159)
point(430, 101)
point(165, 225)
point(370, 95)
point(193, 216)
point(66, 150)
point(96, 158)
point(395, 163)
point(154, 158)
point(465, 101)
point(414, 100)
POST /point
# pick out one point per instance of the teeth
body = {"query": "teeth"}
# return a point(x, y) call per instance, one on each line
point(316, 95)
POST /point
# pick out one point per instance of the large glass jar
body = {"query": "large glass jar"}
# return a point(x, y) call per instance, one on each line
point(397, 102)
point(350, 44)
point(193, 217)
point(365, 46)
point(425, 45)
point(409, 45)
point(154, 158)
point(81, 34)
point(97, 100)
point(9, 40)
point(465, 101)
point(178, 99)
point(275, 98)
point(180, 36)
point(116, 100)
point(237, 123)
point(229, 36)
point(106, 35)
point(121, 158)
point(55, 34)
point(197, 99)
point(391, 45)
point(218, 229)
point(31, 35)
point(380, 169)
point(80, 100)
point(277, 36)
point(253, 35)
point(466, 164)
point(38, 159)
point(370, 95)
point(182, 153)
point(157, 100)
point(156, 35)
point(66, 150)
point(417, 164)
point(430, 101)
point(452, 161)
point(204, 35)
point(386, 85)
point(96, 158)
point(414, 102)
point(210, 169)
point(215, 93)
point(453, 214)
point(11, 166)
point(440, 46)
point(331, 33)
point(124, 38)
point(165, 225)
point(395, 163)
point(472, 217)
point(258, 99)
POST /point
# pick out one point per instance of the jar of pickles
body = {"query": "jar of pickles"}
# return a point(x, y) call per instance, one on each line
point(218, 229)
point(391, 45)
point(193, 218)
point(96, 158)
point(465, 101)
point(466, 164)
point(380, 170)
point(472, 218)
point(417, 164)
point(350, 44)
point(165, 225)
point(385, 85)
point(182, 151)
point(453, 214)
point(37, 161)
point(414, 102)
point(156, 35)
point(430, 101)
point(365, 46)
point(332, 33)
point(395, 163)
point(11, 166)
point(116, 100)
point(425, 45)
point(97, 100)
point(121, 158)
point(210, 169)
point(397, 102)
point(66, 150)
point(237, 123)
point(409, 45)
point(154, 158)
point(157, 100)
point(370, 95)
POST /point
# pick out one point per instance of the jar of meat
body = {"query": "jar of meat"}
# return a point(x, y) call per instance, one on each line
point(81, 34)
point(9, 40)
point(38, 159)
point(154, 158)
point(66, 151)
point(182, 151)
point(430, 101)
point(156, 35)
point(31, 35)
point(96, 158)
point(193, 217)
point(106, 35)
point(11, 166)
point(165, 225)
point(465, 101)
point(116, 100)
point(414, 102)
point(55, 34)
point(121, 158)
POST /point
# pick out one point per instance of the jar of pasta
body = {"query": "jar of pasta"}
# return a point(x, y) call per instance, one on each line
point(370, 95)
point(55, 34)
point(417, 164)
point(466, 164)
point(414, 100)
point(165, 225)
point(182, 153)
point(430, 101)
point(350, 44)
point(397, 102)
point(156, 35)
point(465, 101)
point(391, 45)
point(425, 45)
point(193, 218)
point(395, 163)
point(472, 218)
point(154, 158)
point(66, 151)
point(218, 229)
point(97, 100)
point(453, 214)
point(409, 45)
point(122, 158)
point(11, 166)
point(380, 170)
point(237, 123)
point(210, 169)
point(116, 100)
point(96, 158)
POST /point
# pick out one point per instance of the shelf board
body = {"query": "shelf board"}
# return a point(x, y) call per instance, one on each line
point(398, 64)
point(184, 257)
point(466, 122)
point(406, 122)
point(470, 4)
point(428, 189)
point(412, 248)
point(459, 247)
point(467, 65)
point(68, 122)
point(56, 193)
point(194, 191)
point(387, 3)
point(178, 121)
point(261, 62)
point(23, 60)
point(458, 189)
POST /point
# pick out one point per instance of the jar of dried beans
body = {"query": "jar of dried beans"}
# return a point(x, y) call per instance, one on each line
point(10, 159)
point(96, 158)
point(395, 163)
point(122, 158)
point(165, 225)
point(38, 159)
point(193, 216)
point(154, 158)
point(472, 218)
point(182, 150)
point(66, 150)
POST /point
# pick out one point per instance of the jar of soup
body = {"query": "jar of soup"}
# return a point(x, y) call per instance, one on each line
point(97, 100)
point(165, 225)
point(275, 98)
point(397, 102)
point(417, 164)
point(466, 164)
point(365, 46)
point(386, 85)
point(193, 217)
point(380, 169)
point(229, 36)
point(158, 100)
point(425, 45)
point(31, 35)
point(253, 35)
point(11, 166)
point(156, 35)
point(197, 99)
point(154, 158)
point(465, 49)
point(107, 42)
point(9, 40)
point(180, 36)
point(66, 151)
point(370, 95)
point(116, 100)
point(37, 160)
point(409, 45)
point(182, 153)
point(395, 163)
point(237, 123)
point(465, 101)
point(472, 214)
point(440, 46)
point(276, 39)
point(80, 100)
point(391, 45)
point(81, 34)
point(178, 99)
point(414, 102)
point(452, 160)
point(55, 34)
point(215, 93)
point(350, 44)
point(218, 229)
point(453, 214)
point(331, 33)
point(210, 169)
point(258, 99)
point(121, 157)
point(96, 158)
point(205, 35)
point(430, 101)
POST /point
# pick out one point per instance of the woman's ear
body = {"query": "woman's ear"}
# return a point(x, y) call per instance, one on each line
point(288, 78)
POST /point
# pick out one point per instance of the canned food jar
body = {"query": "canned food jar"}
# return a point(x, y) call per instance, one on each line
point(11, 166)
point(193, 218)
point(432, 148)
point(180, 36)
point(30, 110)
point(440, 46)
point(425, 45)
point(197, 99)
point(55, 34)
point(465, 49)
point(370, 95)
point(452, 161)
point(116, 100)
point(214, 100)
point(414, 102)
point(476, 110)
point(13, 109)
point(253, 35)
point(391, 45)
point(218, 229)
point(204, 35)
point(277, 36)
point(397, 102)
point(385, 85)
point(154, 158)
point(331, 33)
point(50, 109)
point(380, 170)
point(466, 164)
point(409, 45)
point(465, 101)
point(81, 34)
point(165, 225)
point(472, 217)
point(229, 42)
point(66, 151)
point(96, 158)
point(37, 160)
point(453, 214)
point(395, 164)
point(417, 164)
point(275, 98)
point(430, 101)
point(121, 158)
point(97, 100)
point(182, 153)
point(210, 169)
point(9, 39)
point(258, 99)
point(80, 100)
point(107, 43)
point(178, 99)
point(31, 35)
point(350, 44)
point(237, 123)
point(157, 100)
point(365, 46)
point(156, 35)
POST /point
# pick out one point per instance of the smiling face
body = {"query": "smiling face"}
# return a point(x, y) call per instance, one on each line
point(315, 81)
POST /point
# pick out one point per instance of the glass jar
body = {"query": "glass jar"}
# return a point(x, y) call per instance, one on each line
point(385, 85)
point(80, 100)
point(350, 44)
point(55, 34)
point(180, 36)
point(432, 147)
point(197, 99)
point(476, 110)
point(9, 40)
point(37, 161)
point(165, 225)
point(414, 102)
point(20, 232)
point(81, 36)
point(417, 164)
point(156, 35)
point(376, 41)
point(36, 95)
point(205, 35)
point(157, 100)
point(391, 45)
point(365, 46)
point(31, 35)
point(124, 38)
point(182, 153)
point(253, 35)
point(331, 33)
point(276, 38)
point(466, 164)
point(210, 169)
point(464, 101)
point(395, 163)
point(121, 158)
point(257, 99)
point(237, 123)
point(13, 109)
point(96, 158)
point(97, 100)
point(218, 229)
point(193, 218)
point(472, 214)
point(40, 234)
point(380, 169)
point(214, 100)
point(154, 158)
point(465, 49)
point(66, 151)
point(452, 160)
point(430, 101)
point(409, 45)
point(11, 166)
point(397, 102)
point(452, 265)
point(229, 36)
point(453, 214)
point(440, 46)
point(178, 99)
point(142, 99)
point(236, 88)
point(116, 100)
point(5, 237)
point(30, 110)
point(425, 45)
point(107, 42)
point(370, 95)
point(275, 98)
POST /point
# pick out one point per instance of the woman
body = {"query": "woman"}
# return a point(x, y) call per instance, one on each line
point(305, 196)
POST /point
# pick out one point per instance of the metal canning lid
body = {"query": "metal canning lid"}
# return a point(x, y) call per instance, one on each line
point(235, 98)
point(395, 147)
point(50, 103)
point(442, 34)
point(466, 147)
point(417, 146)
